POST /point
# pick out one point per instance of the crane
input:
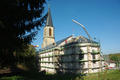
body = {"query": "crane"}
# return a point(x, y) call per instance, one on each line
point(88, 46)
point(83, 28)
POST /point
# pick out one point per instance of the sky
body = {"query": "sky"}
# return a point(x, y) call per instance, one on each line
point(101, 18)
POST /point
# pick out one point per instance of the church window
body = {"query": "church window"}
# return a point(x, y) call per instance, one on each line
point(50, 32)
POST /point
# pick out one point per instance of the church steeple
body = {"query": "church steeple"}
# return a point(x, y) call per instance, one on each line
point(49, 19)
point(48, 34)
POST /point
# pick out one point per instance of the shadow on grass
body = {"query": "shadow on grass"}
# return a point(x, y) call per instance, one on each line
point(32, 75)
point(18, 74)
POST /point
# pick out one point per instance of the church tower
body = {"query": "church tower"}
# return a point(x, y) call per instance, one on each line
point(48, 34)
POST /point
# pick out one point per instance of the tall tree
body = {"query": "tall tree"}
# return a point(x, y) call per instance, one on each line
point(18, 17)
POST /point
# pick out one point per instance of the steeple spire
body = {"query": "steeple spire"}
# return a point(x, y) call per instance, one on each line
point(48, 34)
point(49, 19)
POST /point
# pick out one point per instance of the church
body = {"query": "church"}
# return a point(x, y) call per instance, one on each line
point(69, 55)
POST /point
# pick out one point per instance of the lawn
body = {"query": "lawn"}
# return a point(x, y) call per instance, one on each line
point(27, 75)
point(106, 75)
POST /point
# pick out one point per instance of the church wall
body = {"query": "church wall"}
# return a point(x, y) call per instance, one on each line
point(85, 64)
point(46, 62)
point(68, 60)
point(84, 49)
point(96, 64)
point(48, 36)
point(93, 48)
point(97, 56)
point(85, 71)
point(46, 31)
point(85, 57)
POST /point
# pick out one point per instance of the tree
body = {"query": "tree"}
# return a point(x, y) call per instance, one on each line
point(18, 17)
point(116, 59)
point(27, 57)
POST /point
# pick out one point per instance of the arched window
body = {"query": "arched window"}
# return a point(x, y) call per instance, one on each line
point(50, 32)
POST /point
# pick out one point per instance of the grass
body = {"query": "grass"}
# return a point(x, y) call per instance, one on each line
point(12, 78)
point(106, 75)
point(30, 75)
point(113, 75)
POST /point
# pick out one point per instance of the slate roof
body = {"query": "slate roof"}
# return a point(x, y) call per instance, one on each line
point(49, 19)
point(60, 41)
point(81, 39)
point(57, 43)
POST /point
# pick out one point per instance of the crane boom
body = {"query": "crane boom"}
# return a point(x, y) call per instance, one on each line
point(83, 28)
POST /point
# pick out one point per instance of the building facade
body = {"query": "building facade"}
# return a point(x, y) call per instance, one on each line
point(71, 54)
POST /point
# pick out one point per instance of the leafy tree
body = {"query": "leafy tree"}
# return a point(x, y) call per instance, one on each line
point(115, 58)
point(27, 57)
point(18, 17)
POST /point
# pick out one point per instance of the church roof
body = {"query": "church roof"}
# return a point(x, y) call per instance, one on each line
point(57, 43)
point(79, 39)
point(49, 19)
point(83, 39)
point(60, 41)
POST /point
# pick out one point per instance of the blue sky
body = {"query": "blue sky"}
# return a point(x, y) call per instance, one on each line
point(100, 17)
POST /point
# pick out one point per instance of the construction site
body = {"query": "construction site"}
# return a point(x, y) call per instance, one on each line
point(69, 55)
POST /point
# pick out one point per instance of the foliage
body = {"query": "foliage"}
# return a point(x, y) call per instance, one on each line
point(19, 23)
point(115, 58)
point(27, 57)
